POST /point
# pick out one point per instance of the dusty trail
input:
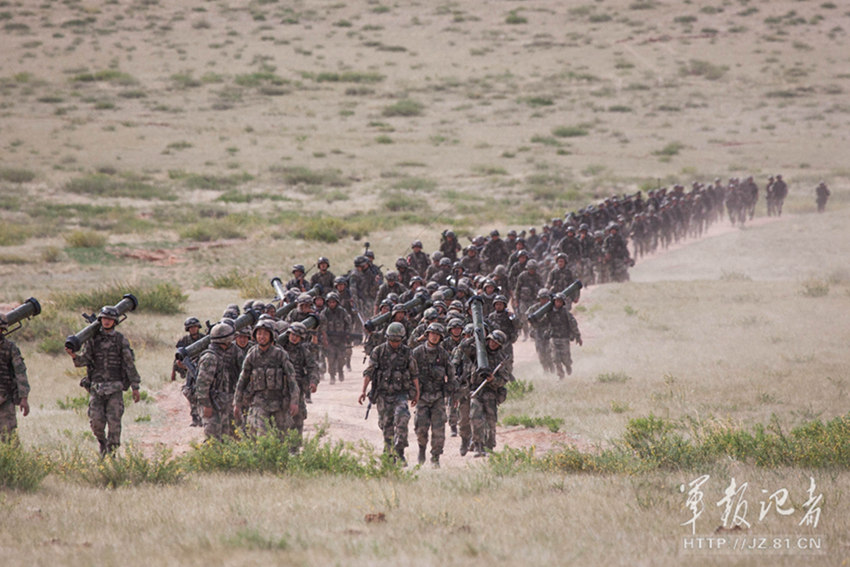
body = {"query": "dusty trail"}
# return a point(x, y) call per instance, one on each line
point(336, 405)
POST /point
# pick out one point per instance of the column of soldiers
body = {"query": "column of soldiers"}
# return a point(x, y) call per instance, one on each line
point(422, 357)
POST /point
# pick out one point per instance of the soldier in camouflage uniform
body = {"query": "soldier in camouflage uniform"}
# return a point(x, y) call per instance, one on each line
point(525, 294)
point(218, 370)
point(305, 310)
point(495, 252)
point(267, 385)
point(436, 383)
point(192, 326)
point(298, 281)
point(393, 373)
point(505, 321)
point(540, 332)
point(561, 276)
point(418, 260)
point(454, 337)
point(324, 277)
point(391, 285)
point(111, 370)
point(562, 328)
point(617, 254)
point(305, 367)
point(336, 326)
point(14, 387)
point(463, 360)
point(484, 406)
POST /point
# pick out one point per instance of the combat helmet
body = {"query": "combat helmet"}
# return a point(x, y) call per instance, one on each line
point(298, 329)
point(267, 324)
point(498, 336)
point(191, 322)
point(395, 331)
point(221, 333)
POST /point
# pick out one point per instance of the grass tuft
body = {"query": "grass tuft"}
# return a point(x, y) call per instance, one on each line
point(19, 469)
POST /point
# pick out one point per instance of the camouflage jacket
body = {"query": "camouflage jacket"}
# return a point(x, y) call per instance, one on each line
point(13, 373)
point(387, 289)
point(185, 341)
point(527, 285)
point(218, 371)
point(419, 261)
point(109, 358)
point(336, 324)
point(326, 280)
point(435, 372)
point(392, 371)
point(559, 279)
point(506, 322)
point(267, 379)
point(561, 324)
point(500, 378)
point(303, 363)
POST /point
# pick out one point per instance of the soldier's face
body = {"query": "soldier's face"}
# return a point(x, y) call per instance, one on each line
point(332, 303)
point(434, 338)
point(323, 267)
point(499, 306)
point(242, 340)
point(561, 262)
point(493, 345)
point(558, 304)
point(107, 323)
point(395, 343)
point(294, 339)
point(456, 331)
point(194, 330)
point(264, 337)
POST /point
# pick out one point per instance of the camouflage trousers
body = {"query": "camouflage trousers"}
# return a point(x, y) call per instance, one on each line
point(221, 422)
point(619, 270)
point(544, 351)
point(431, 414)
point(484, 415)
point(8, 419)
point(194, 406)
point(336, 361)
point(301, 417)
point(459, 412)
point(106, 407)
point(393, 417)
point(561, 356)
point(261, 419)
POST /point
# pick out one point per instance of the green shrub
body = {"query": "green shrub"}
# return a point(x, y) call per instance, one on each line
point(272, 454)
point(613, 378)
point(213, 229)
point(815, 287)
point(85, 239)
point(569, 131)
point(13, 233)
point(165, 298)
point(405, 107)
point(704, 69)
point(671, 149)
point(551, 423)
point(77, 403)
point(19, 469)
point(304, 176)
point(518, 389)
point(102, 185)
point(129, 467)
point(16, 175)
point(350, 77)
point(513, 18)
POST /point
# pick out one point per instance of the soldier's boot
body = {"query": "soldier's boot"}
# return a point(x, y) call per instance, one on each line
point(307, 398)
point(333, 380)
point(479, 450)
point(111, 448)
point(342, 376)
point(560, 372)
point(435, 461)
point(464, 446)
point(196, 420)
point(400, 452)
point(103, 447)
point(569, 369)
point(421, 454)
point(454, 430)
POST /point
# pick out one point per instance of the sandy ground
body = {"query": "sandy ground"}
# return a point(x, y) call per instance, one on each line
point(336, 405)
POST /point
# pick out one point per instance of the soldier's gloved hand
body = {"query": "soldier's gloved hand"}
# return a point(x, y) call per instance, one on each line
point(25, 407)
point(70, 352)
point(136, 396)
point(208, 412)
point(361, 398)
point(579, 342)
point(293, 409)
point(313, 388)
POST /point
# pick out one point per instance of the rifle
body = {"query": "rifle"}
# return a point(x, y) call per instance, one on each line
point(481, 386)
point(369, 396)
